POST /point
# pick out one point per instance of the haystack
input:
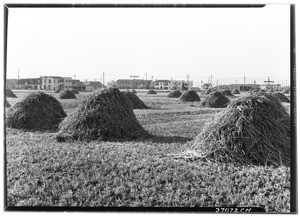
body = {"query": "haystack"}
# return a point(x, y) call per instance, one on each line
point(262, 91)
point(38, 111)
point(215, 100)
point(10, 94)
point(174, 94)
point(152, 92)
point(251, 130)
point(189, 96)
point(236, 91)
point(281, 97)
point(6, 104)
point(227, 92)
point(133, 91)
point(286, 91)
point(105, 115)
point(57, 91)
point(134, 101)
point(74, 91)
point(67, 94)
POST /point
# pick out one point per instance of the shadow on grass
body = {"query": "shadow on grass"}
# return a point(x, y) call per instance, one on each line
point(164, 139)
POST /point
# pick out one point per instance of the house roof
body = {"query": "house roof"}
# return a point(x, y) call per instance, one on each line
point(163, 81)
point(54, 77)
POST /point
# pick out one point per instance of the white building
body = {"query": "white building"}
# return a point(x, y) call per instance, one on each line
point(56, 82)
point(172, 84)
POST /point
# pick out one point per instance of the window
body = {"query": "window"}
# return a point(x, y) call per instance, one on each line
point(54, 81)
point(49, 80)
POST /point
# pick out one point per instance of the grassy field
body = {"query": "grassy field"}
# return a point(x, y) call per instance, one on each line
point(42, 172)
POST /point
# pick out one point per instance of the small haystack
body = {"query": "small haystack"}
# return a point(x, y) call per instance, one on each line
point(174, 94)
point(215, 100)
point(236, 91)
point(251, 130)
point(281, 97)
point(134, 101)
point(227, 92)
point(38, 111)
point(74, 91)
point(133, 91)
point(57, 91)
point(189, 96)
point(151, 92)
point(286, 91)
point(105, 115)
point(6, 104)
point(67, 94)
point(10, 94)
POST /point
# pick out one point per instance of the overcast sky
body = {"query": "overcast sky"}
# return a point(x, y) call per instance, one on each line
point(163, 42)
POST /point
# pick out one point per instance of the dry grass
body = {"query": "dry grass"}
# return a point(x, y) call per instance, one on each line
point(105, 115)
point(251, 130)
point(38, 111)
point(134, 101)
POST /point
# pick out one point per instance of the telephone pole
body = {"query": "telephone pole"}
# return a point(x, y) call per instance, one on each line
point(18, 78)
point(103, 78)
point(188, 81)
point(244, 79)
point(211, 77)
point(74, 76)
point(146, 76)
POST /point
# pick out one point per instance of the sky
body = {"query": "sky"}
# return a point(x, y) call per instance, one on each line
point(225, 43)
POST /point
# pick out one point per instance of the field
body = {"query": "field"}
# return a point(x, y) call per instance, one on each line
point(138, 173)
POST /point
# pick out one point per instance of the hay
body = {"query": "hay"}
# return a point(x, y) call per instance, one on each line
point(38, 111)
point(174, 94)
point(281, 97)
point(286, 91)
point(67, 94)
point(151, 92)
point(10, 94)
point(227, 92)
point(134, 101)
point(262, 91)
point(105, 115)
point(189, 96)
point(6, 104)
point(57, 91)
point(133, 91)
point(74, 91)
point(251, 130)
point(236, 91)
point(215, 100)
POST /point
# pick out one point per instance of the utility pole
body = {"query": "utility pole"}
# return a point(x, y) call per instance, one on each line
point(188, 78)
point(74, 76)
point(18, 78)
point(244, 79)
point(211, 77)
point(103, 78)
point(146, 76)
point(269, 81)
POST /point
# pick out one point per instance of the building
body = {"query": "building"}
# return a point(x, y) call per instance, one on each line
point(77, 85)
point(173, 84)
point(11, 84)
point(132, 83)
point(92, 86)
point(244, 87)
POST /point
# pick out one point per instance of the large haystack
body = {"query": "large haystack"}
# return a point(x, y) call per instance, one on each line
point(6, 104)
point(227, 92)
point(67, 94)
point(151, 92)
point(215, 100)
point(251, 130)
point(281, 97)
point(38, 111)
point(105, 115)
point(74, 91)
point(236, 91)
point(134, 101)
point(174, 94)
point(133, 91)
point(190, 96)
point(10, 94)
